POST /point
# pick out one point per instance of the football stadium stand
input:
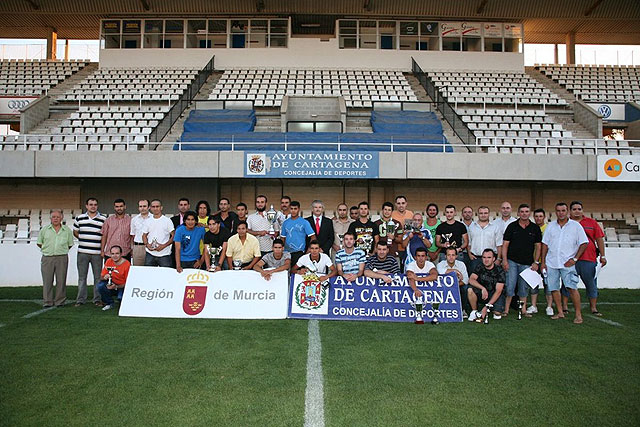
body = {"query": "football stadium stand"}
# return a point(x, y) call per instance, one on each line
point(597, 83)
point(35, 77)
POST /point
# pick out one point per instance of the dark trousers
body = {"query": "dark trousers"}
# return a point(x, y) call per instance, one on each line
point(295, 256)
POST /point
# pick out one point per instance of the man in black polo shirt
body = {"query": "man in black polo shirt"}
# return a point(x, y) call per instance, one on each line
point(227, 218)
point(520, 250)
point(451, 234)
point(381, 265)
point(485, 285)
point(364, 229)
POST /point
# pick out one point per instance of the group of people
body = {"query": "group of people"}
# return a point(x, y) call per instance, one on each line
point(486, 256)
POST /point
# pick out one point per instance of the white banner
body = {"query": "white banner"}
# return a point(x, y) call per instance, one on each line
point(609, 111)
point(492, 30)
point(619, 168)
point(513, 31)
point(450, 29)
point(11, 105)
point(163, 292)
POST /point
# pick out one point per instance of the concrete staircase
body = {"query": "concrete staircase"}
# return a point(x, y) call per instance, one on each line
point(551, 85)
point(59, 90)
point(55, 120)
point(566, 120)
point(268, 120)
point(359, 121)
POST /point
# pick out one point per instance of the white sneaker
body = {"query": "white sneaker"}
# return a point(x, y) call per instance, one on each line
point(532, 310)
point(497, 317)
point(107, 307)
point(473, 316)
point(549, 311)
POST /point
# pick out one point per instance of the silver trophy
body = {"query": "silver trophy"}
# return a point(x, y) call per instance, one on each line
point(486, 317)
point(237, 264)
point(154, 243)
point(435, 306)
point(341, 238)
point(520, 305)
point(214, 257)
point(272, 217)
point(419, 307)
point(110, 271)
point(391, 231)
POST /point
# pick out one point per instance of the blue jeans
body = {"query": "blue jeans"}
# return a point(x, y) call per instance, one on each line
point(587, 272)
point(514, 281)
point(107, 294)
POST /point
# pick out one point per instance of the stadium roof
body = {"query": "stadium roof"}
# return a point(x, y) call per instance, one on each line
point(545, 21)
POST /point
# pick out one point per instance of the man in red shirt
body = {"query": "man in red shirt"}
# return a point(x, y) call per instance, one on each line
point(116, 268)
point(586, 265)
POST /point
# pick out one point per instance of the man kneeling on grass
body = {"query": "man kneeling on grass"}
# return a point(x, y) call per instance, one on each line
point(117, 269)
point(485, 285)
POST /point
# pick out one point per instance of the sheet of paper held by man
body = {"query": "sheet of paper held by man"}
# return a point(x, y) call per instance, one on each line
point(531, 277)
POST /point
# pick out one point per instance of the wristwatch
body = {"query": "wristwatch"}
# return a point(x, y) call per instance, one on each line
point(575, 259)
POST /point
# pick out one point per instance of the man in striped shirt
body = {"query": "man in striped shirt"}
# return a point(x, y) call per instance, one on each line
point(381, 265)
point(87, 228)
point(350, 260)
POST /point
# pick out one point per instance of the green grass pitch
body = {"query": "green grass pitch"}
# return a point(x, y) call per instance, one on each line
point(81, 366)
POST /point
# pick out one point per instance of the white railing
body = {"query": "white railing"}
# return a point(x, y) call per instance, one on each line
point(559, 143)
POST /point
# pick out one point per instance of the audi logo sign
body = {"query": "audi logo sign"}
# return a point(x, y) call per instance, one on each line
point(17, 104)
point(12, 105)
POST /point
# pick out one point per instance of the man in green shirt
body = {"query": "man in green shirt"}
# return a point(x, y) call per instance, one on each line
point(431, 223)
point(55, 240)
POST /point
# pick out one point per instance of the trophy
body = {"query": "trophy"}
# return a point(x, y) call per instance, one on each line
point(272, 216)
point(419, 306)
point(520, 305)
point(391, 231)
point(154, 243)
point(341, 238)
point(435, 306)
point(110, 271)
point(486, 317)
point(237, 264)
point(214, 256)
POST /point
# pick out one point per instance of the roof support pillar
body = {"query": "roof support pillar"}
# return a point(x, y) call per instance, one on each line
point(571, 48)
point(556, 61)
point(66, 49)
point(52, 41)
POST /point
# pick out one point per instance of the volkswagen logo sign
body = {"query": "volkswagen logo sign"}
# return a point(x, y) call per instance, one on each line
point(605, 111)
point(18, 104)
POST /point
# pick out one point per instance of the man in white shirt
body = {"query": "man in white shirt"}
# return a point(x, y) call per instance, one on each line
point(452, 264)
point(315, 261)
point(259, 225)
point(137, 228)
point(505, 216)
point(420, 266)
point(158, 237)
point(563, 243)
point(483, 234)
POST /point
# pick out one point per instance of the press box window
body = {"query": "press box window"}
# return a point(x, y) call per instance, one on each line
point(197, 34)
point(429, 36)
point(217, 38)
point(278, 32)
point(174, 34)
point(409, 36)
point(153, 33)
point(387, 31)
point(368, 34)
point(111, 34)
point(348, 31)
point(131, 33)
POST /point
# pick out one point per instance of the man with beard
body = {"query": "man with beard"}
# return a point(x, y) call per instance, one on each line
point(341, 224)
point(432, 224)
point(116, 231)
point(259, 225)
point(394, 241)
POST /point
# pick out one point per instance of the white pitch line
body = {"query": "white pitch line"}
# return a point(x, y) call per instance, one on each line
point(36, 313)
point(314, 394)
point(35, 301)
point(2, 325)
point(607, 321)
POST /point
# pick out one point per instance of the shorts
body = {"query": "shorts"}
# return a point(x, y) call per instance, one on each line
point(568, 275)
point(587, 272)
point(515, 281)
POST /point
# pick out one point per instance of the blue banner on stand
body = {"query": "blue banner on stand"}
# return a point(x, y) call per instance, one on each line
point(311, 164)
point(372, 299)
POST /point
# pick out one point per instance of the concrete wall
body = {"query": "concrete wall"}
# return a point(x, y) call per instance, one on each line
point(312, 52)
point(34, 114)
point(20, 266)
point(227, 164)
point(588, 117)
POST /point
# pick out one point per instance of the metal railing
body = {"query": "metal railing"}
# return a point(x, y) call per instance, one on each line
point(182, 103)
point(448, 112)
point(549, 145)
point(285, 145)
